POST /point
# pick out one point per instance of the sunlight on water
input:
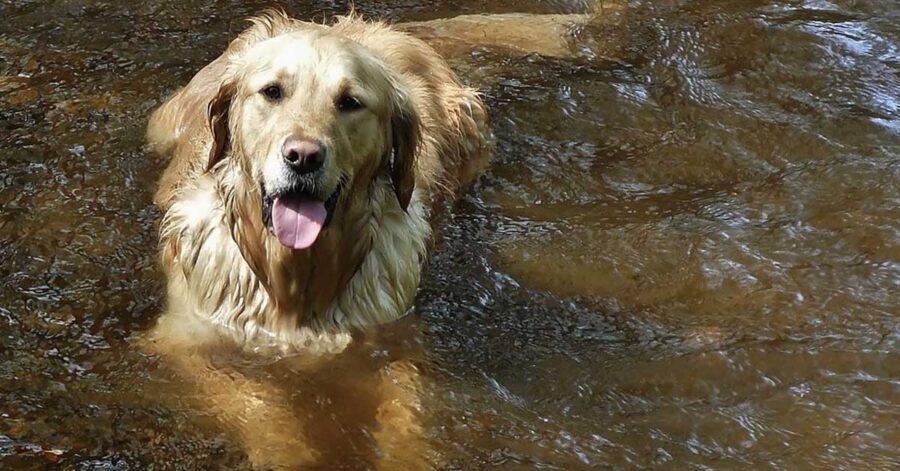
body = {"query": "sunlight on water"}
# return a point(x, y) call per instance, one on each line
point(684, 256)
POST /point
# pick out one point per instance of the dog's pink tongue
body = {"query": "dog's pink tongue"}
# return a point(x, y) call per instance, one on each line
point(297, 221)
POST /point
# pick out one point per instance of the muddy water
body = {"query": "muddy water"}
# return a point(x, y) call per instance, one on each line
point(686, 254)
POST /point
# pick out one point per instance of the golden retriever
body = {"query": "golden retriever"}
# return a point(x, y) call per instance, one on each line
point(306, 162)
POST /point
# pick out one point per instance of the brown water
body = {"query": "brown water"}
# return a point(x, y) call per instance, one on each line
point(685, 256)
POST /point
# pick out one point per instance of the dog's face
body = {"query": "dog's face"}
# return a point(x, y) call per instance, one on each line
point(307, 117)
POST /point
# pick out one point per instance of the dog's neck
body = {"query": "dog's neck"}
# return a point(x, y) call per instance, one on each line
point(363, 270)
point(305, 283)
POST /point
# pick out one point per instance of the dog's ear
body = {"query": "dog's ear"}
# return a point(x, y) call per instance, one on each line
point(217, 113)
point(405, 136)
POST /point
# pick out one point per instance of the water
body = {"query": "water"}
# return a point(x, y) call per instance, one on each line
point(684, 256)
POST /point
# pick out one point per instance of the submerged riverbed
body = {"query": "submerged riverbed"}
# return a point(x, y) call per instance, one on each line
point(685, 255)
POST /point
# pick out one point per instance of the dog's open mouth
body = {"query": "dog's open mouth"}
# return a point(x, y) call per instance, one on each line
point(297, 217)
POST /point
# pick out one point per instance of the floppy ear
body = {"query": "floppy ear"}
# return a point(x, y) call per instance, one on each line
point(405, 136)
point(217, 113)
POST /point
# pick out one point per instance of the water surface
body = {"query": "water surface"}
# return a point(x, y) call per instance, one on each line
point(686, 254)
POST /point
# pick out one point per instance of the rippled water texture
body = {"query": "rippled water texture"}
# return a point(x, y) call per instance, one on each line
point(686, 254)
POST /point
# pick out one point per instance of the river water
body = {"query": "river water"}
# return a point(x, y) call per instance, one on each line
point(685, 255)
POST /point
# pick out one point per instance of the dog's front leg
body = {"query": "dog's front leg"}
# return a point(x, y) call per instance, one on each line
point(271, 433)
point(400, 436)
point(259, 413)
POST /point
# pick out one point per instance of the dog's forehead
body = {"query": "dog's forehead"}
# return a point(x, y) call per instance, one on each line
point(306, 54)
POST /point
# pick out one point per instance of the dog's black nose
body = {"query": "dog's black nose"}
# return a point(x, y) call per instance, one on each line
point(303, 155)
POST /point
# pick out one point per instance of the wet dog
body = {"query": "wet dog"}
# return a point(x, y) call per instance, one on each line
point(305, 164)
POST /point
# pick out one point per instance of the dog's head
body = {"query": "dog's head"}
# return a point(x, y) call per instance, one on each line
point(308, 117)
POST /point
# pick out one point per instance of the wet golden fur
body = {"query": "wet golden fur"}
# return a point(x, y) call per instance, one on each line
point(219, 257)
point(422, 137)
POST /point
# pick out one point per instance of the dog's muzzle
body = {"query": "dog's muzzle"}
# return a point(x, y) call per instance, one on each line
point(298, 215)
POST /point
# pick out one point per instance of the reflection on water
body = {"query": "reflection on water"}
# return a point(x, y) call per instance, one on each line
point(684, 257)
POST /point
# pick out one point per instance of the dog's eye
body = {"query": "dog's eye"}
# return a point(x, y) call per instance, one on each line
point(272, 92)
point(348, 103)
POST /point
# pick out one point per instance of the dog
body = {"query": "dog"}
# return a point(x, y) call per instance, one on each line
point(307, 163)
